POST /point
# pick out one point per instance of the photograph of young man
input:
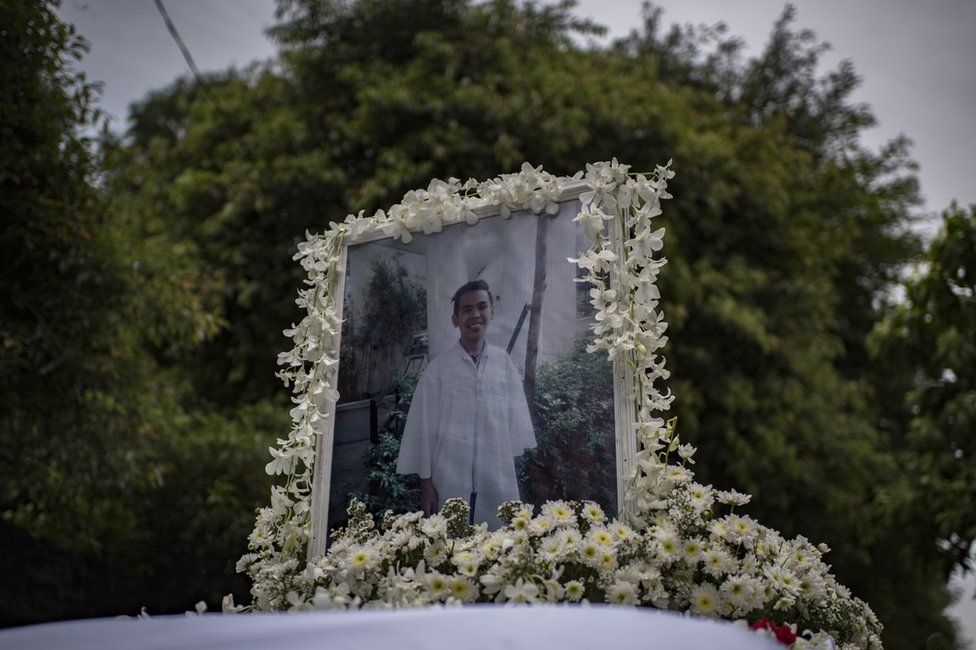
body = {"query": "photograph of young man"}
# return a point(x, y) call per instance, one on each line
point(469, 419)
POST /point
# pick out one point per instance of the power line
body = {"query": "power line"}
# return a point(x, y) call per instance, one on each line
point(179, 42)
point(193, 66)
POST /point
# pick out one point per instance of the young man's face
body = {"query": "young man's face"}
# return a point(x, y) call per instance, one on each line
point(472, 317)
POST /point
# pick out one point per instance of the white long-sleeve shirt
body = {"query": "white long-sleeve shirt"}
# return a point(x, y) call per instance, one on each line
point(467, 424)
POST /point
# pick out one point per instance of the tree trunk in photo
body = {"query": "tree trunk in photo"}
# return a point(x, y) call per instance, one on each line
point(535, 312)
point(539, 469)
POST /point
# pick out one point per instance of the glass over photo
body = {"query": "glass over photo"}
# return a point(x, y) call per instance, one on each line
point(463, 373)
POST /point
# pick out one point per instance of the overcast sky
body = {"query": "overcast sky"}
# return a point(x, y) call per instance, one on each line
point(916, 60)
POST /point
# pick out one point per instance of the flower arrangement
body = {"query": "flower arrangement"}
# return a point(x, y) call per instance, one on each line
point(677, 544)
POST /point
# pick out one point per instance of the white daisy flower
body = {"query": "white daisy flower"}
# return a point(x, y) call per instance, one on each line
point(692, 549)
point(438, 586)
point(623, 593)
point(570, 537)
point(552, 548)
point(559, 512)
point(462, 589)
point(574, 590)
point(733, 498)
point(669, 547)
point(541, 525)
point(593, 513)
point(705, 599)
point(434, 526)
point(622, 532)
point(700, 496)
point(601, 536)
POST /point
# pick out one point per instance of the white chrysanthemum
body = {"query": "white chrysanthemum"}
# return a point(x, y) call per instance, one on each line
point(589, 552)
point(574, 590)
point(623, 592)
point(462, 589)
point(622, 532)
point(740, 592)
point(748, 564)
point(692, 549)
point(802, 555)
point(784, 602)
point(782, 580)
point(491, 548)
point(733, 498)
point(437, 584)
point(407, 520)
point(601, 536)
point(719, 528)
point(361, 558)
point(435, 553)
point(593, 513)
point(466, 562)
point(677, 474)
point(559, 512)
point(434, 526)
point(669, 546)
point(570, 537)
point(704, 600)
point(552, 548)
point(717, 562)
point(541, 525)
point(700, 496)
point(521, 522)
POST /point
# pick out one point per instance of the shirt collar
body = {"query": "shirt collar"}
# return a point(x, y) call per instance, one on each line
point(464, 353)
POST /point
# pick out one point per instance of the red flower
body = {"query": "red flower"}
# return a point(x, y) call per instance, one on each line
point(784, 633)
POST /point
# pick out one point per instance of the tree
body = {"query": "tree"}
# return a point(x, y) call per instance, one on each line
point(783, 237)
point(106, 504)
point(56, 287)
point(930, 337)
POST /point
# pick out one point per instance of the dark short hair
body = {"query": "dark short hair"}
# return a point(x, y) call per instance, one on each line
point(468, 287)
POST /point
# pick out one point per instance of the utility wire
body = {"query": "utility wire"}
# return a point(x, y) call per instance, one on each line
point(221, 114)
point(179, 42)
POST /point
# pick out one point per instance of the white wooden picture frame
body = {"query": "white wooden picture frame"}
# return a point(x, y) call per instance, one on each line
point(479, 255)
point(615, 210)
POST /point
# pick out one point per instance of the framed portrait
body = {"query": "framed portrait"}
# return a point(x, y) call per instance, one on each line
point(463, 372)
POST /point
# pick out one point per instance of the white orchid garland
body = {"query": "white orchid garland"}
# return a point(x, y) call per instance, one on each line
point(671, 549)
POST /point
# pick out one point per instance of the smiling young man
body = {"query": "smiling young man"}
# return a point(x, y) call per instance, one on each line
point(468, 420)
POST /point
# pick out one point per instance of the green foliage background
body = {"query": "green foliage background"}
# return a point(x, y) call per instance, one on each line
point(145, 283)
point(575, 457)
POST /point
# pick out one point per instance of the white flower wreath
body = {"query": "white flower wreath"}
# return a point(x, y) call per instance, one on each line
point(670, 548)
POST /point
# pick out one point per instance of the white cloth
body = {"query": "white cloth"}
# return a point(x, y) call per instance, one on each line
point(473, 628)
point(467, 424)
